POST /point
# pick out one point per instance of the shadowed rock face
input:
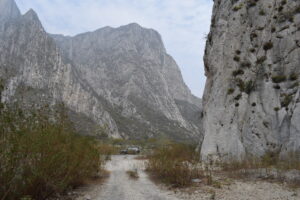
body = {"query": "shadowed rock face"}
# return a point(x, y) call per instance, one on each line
point(251, 101)
point(121, 78)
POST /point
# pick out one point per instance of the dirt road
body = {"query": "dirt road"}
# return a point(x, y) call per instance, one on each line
point(120, 186)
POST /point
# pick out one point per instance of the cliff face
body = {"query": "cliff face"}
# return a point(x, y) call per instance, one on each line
point(130, 68)
point(33, 73)
point(121, 78)
point(252, 62)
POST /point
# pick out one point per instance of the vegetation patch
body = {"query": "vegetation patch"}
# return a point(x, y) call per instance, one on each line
point(253, 35)
point(269, 165)
point(276, 109)
point(230, 91)
point(246, 87)
point(40, 159)
point(286, 100)
point(245, 64)
point(278, 78)
point(238, 72)
point(261, 60)
point(133, 174)
point(251, 3)
point(238, 97)
point(293, 76)
point(268, 46)
point(252, 50)
point(236, 58)
point(262, 12)
point(277, 87)
point(238, 52)
point(249, 86)
point(238, 7)
point(175, 164)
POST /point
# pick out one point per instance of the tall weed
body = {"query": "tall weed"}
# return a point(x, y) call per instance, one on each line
point(40, 158)
point(175, 164)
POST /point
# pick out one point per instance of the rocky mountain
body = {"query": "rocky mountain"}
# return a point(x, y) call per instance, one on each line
point(252, 62)
point(118, 78)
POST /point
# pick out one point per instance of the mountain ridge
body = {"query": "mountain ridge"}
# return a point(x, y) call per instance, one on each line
point(122, 84)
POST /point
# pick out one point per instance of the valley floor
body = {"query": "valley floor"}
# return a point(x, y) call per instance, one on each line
point(120, 186)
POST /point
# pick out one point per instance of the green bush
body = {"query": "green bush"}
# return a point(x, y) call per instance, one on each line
point(278, 78)
point(40, 159)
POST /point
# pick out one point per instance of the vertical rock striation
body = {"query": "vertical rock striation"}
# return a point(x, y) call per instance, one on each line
point(130, 68)
point(252, 62)
point(120, 78)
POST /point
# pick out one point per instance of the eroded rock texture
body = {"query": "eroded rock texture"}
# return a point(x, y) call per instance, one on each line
point(121, 78)
point(252, 62)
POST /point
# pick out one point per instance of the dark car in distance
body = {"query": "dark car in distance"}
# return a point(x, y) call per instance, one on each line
point(130, 150)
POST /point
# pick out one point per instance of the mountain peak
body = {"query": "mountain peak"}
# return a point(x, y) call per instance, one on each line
point(9, 10)
point(31, 14)
point(134, 25)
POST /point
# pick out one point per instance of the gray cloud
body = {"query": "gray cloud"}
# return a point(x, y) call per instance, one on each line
point(182, 24)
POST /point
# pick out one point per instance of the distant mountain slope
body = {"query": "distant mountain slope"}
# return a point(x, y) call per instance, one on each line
point(33, 73)
point(131, 69)
point(120, 78)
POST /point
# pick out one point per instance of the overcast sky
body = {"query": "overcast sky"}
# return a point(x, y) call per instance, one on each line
point(183, 25)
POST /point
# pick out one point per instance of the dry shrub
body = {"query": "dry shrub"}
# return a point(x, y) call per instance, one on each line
point(133, 174)
point(270, 166)
point(39, 160)
point(174, 164)
point(107, 150)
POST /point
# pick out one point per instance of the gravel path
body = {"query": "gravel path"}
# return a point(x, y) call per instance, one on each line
point(120, 187)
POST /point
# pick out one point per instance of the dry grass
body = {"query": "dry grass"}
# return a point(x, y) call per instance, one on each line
point(141, 157)
point(133, 174)
point(174, 164)
point(39, 159)
point(269, 166)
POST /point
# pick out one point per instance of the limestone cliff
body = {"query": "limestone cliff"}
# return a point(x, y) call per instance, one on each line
point(252, 62)
point(130, 68)
point(120, 78)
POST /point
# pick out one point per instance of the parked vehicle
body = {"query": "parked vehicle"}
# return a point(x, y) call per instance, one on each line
point(130, 150)
point(123, 151)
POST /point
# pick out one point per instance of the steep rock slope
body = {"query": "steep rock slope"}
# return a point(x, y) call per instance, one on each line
point(122, 79)
point(33, 72)
point(252, 62)
point(129, 66)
